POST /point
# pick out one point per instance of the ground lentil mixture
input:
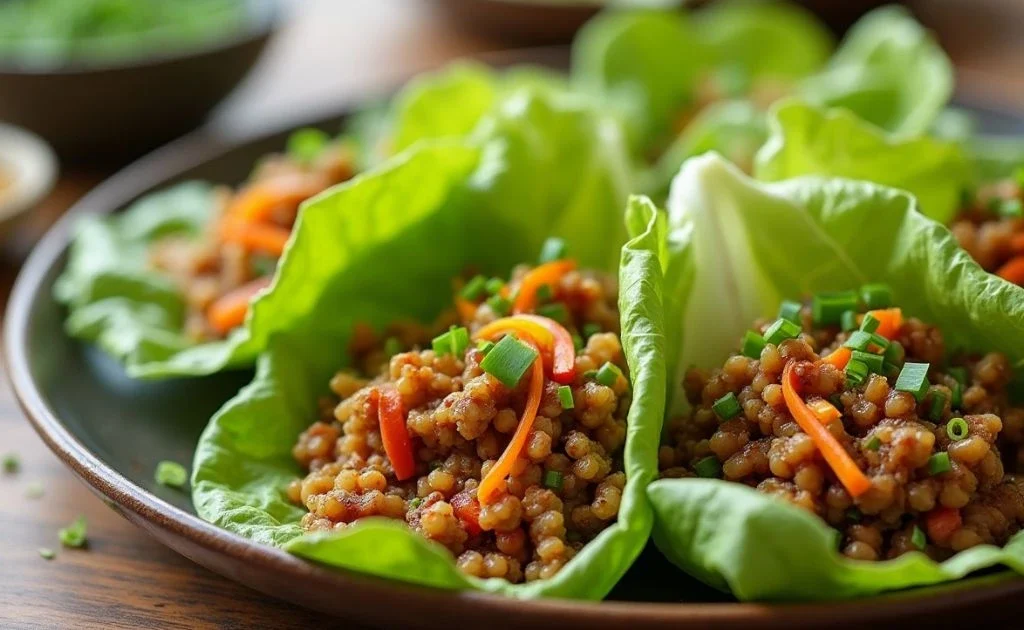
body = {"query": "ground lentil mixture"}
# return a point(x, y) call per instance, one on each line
point(563, 487)
point(990, 227)
point(236, 257)
point(927, 440)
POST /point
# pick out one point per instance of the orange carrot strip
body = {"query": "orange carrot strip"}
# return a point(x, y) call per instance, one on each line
point(1013, 271)
point(942, 522)
point(228, 311)
point(260, 237)
point(835, 455)
point(255, 202)
point(825, 411)
point(563, 350)
point(889, 322)
point(395, 435)
point(539, 334)
point(493, 482)
point(548, 273)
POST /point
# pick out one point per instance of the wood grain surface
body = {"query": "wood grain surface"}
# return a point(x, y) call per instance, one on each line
point(331, 53)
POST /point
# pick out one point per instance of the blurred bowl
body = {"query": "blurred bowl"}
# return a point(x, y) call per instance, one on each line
point(115, 111)
point(28, 170)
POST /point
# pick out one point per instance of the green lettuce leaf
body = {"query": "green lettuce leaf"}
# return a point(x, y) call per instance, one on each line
point(385, 247)
point(736, 248)
point(889, 70)
point(806, 140)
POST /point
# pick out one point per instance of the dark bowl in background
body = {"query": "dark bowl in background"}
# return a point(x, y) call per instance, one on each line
point(115, 111)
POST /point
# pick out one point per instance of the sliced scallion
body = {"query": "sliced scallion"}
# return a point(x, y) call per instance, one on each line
point(894, 353)
point(494, 286)
point(858, 340)
point(856, 373)
point(392, 346)
point(589, 330)
point(957, 399)
point(171, 474)
point(938, 398)
point(913, 378)
point(918, 539)
point(508, 360)
point(873, 362)
point(484, 346)
point(500, 305)
point(869, 323)
point(753, 344)
point(609, 374)
point(959, 373)
point(474, 289)
point(939, 463)
point(727, 407)
point(565, 397)
point(708, 468)
point(876, 295)
point(781, 330)
point(553, 480)
point(873, 444)
point(556, 311)
point(790, 310)
point(848, 321)
point(828, 308)
point(957, 429)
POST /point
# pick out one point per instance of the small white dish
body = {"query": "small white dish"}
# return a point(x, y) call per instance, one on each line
point(28, 170)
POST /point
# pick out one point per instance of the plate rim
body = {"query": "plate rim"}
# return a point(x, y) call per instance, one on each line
point(173, 525)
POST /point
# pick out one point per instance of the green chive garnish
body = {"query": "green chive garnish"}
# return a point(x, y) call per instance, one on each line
point(454, 342)
point(508, 360)
point(557, 312)
point(876, 296)
point(938, 398)
point(727, 407)
point(858, 340)
point(870, 323)
point(171, 474)
point(781, 330)
point(753, 344)
point(708, 468)
point(872, 361)
point(913, 378)
point(475, 288)
point(500, 305)
point(415, 503)
point(918, 539)
point(828, 308)
point(589, 330)
point(565, 397)
point(494, 286)
point(873, 444)
point(609, 374)
point(74, 534)
point(957, 399)
point(958, 373)
point(553, 479)
point(894, 353)
point(957, 429)
point(553, 249)
point(484, 346)
point(11, 463)
point(392, 346)
point(856, 373)
point(790, 310)
point(577, 342)
point(938, 464)
point(880, 342)
point(848, 321)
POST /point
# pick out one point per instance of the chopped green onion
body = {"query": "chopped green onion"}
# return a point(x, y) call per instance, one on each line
point(828, 308)
point(553, 249)
point(939, 399)
point(918, 539)
point(957, 400)
point(454, 342)
point(494, 286)
point(913, 378)
point(484, 346)
point(727, 407)
point(565, 397)
point(556, 311)
point(876, 296)
point(577, 342)
point(11, 463)
point(753, 344)
point(891, 370)
point(553, 479)
point(957, 429)
point(589, 330)
point(475, 288)
point(46, 553)
point(967, 197)
point(591, 374)
point(609, 374)
point(781, 330)
point(544, 293)
point(874, 362)
point(392, 346)
point(415, 503)
point(938, 464)
point(708, 468)
point(305, 144)
point(500, 305)
point(74, 534)
point(856, 372)
point(853, 514)
point(894, 353)
point(858, 340)
point(874, 443)
point(790, 310)
point(508, 360)
point(870, 323)
point(836, 400)
point(958, 373)
point(881, 342)
point(848, 321)
point(171, 474)
point(1011, 209)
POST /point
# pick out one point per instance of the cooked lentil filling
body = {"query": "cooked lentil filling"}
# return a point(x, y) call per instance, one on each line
point(235, 257)
point(990, 227)
point(561, 488)
point(914, 461)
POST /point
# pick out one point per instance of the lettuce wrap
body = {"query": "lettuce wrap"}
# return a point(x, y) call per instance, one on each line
point(136, 314)
point(386, 246)
point(732, 249)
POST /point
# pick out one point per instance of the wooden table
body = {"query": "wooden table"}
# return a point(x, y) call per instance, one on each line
point(331, 53)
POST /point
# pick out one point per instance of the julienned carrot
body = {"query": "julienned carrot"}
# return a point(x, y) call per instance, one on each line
point(825, 411)
point(228, 311)
point(548, 273)
point(394, 434)
point(256, 202)
point(889, 322)
point(494, 481)
point(835, 455)
point(942, 522)
point(1013, 271)
point(563, 350)
point(260, 237)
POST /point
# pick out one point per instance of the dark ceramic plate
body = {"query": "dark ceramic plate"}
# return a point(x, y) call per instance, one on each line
point(112, 431)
